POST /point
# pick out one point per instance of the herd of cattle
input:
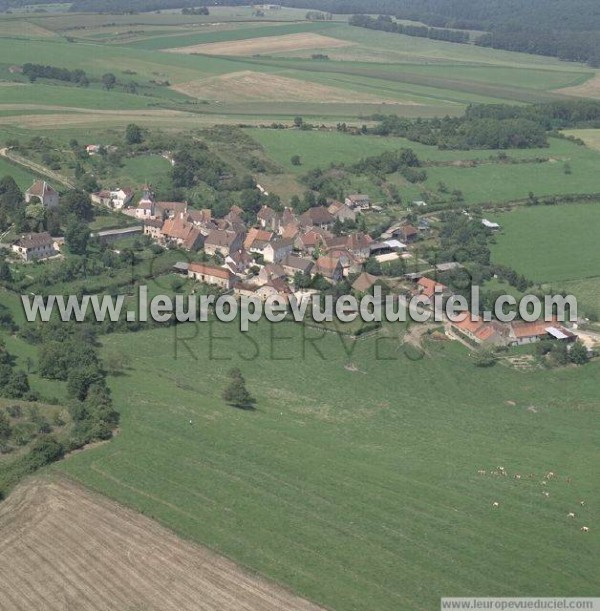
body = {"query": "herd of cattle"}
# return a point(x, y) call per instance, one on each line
point(502, 472)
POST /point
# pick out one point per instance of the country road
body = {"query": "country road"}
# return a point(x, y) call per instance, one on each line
point(36, 167)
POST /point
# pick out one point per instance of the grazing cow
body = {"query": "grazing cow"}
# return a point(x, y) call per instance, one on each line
point(546, 494)
point(544, 482)
point(190, 422)
point(481, 472)
point(582, 503)
point(517, 476)
point(570, 514)
point(495, 504)
point(585, 529)
point(550, 475)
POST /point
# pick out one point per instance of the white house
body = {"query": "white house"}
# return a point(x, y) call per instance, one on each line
point(31, 246)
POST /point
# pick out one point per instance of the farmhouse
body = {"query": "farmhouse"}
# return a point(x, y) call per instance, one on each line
point(293, 265)
point(115, 199)
point(182, 233)
point(170, 209)
point(41, 191)
point(317, 217)
point(153, 228)
point(359, 201)
point(479, 332)
point(351, 264)
point(32, 246)
point(427, 287)
point(342, 211)
point(222, 241)
point(210, 274)
point(522, 333)
point(276, 250)
point(238, 262)
point(311, 240)
point(364, 282)
point(329, 267)
point(257, 240)
point(406, 232)
point(268, 219)
point(277, 286)
point(270, 272)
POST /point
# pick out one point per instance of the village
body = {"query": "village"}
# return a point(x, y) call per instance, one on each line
point(284, 253)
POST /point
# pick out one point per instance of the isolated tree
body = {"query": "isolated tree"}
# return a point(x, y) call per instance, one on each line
point(109, 80)
point(484, 358)
point(578, 354)
point(5, 273)
point(4, 427)
point(296, 160)
point(236, 393)
point(77, 203)
point(298, 121)
point(133, 134)
point(77, 236)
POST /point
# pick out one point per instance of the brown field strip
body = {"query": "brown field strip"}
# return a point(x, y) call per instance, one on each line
point(589, 89)
point(265, 45)
point(250, 85)
point(64, 547)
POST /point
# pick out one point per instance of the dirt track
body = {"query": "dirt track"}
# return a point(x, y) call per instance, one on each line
point(63, 547)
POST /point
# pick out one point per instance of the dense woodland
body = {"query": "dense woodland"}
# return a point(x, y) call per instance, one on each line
point(492, 126)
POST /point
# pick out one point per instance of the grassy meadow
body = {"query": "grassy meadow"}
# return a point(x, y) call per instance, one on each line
point(550, 243)
point(357, 487)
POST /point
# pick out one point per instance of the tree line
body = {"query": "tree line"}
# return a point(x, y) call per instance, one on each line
point(36, 71)
point(386, 24)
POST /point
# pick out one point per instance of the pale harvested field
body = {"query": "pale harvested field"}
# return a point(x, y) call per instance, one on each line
point(19, 27)
point(250, 85)
point(265, 45)
point(64, 547)
point(591, 137)
point(589, 89)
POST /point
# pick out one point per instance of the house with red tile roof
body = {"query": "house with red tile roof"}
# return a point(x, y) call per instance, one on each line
point(329, 267)
point(42, 192)
point(210, 274)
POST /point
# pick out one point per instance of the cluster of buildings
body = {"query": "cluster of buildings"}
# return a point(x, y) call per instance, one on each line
point(265, 255)
point(519, 333)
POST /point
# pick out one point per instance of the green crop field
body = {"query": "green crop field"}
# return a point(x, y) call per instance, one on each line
point(554, 245)
point(550, 243)
point(320, 148)
point(371, 72)
point(497, 182)
point(357, 487)
point(23, 177)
